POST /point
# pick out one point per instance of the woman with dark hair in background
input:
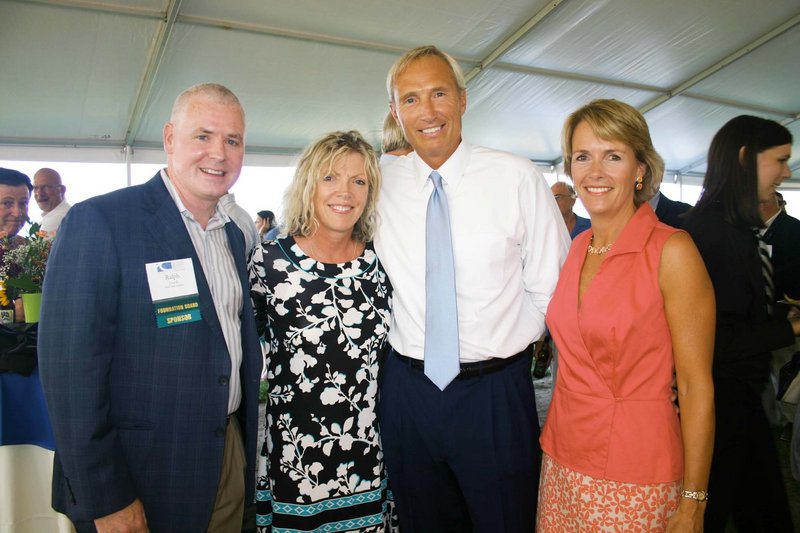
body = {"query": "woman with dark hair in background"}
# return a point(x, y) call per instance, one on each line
point(265, 221)
point(747, 160)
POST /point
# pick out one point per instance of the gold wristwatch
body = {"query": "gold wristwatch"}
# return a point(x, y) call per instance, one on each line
point(699, 495)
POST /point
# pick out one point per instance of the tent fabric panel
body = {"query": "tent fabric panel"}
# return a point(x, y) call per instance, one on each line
point(524, 114)
point(762, 76)
point(681, 145)
point(649, 42)
point(71, 74)
point(465, 28)
point(292, 92)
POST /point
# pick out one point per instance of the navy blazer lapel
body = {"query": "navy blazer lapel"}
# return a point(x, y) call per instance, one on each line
point(168, 230)
point(165, 221)
point(236, 243)
point(661, 207)
point(770, 233)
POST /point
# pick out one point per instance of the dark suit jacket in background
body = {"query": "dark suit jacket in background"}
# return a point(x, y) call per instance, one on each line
point(745, 333)
point(671, 212)
point(784, 236)
point(138, 411)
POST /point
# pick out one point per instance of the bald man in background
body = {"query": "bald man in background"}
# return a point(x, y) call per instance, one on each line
point(565, 198)
point(49, 194)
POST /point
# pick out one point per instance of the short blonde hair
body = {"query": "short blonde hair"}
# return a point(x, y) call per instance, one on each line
point(393, 136)
point(617, 121)
point(316, 162)
point(215, 91)
point(418, 53)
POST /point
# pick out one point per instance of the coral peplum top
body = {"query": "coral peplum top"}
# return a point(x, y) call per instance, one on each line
point(611, 416)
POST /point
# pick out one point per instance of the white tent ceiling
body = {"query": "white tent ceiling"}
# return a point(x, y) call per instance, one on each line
point(103, 74)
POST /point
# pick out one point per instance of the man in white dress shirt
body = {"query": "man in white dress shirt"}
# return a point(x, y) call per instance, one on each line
point(466, 457)
point(242, 219)
point(49, 194)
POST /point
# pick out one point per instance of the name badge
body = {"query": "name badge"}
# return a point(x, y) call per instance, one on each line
point(173, 289)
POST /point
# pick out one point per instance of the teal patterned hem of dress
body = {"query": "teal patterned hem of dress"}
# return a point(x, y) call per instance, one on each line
point(345, 525)
point(320, 507)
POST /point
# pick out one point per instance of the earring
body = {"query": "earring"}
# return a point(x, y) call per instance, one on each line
point(639, 183)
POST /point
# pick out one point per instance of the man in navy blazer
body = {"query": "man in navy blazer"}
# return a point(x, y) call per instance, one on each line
point(151, 382)
point(783, 234)
point(670, 212)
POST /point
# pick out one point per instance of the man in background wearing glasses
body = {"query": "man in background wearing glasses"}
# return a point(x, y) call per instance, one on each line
point(49, 194)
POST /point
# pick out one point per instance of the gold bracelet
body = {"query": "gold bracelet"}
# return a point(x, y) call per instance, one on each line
point(699, 495)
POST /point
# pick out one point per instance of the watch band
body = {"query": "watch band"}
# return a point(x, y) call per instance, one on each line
point(699, 495)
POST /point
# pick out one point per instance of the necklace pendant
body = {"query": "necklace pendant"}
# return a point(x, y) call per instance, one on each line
point(600, 250)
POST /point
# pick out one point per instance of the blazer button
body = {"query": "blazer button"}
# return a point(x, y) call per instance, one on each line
point(223, 380)
point(219, 432)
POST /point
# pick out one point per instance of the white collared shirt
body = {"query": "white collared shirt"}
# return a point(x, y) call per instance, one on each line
point(509, 242)
point(52, 219)
point(242, 219)
point(762, 231)
point(214, 251)
point(386, 159)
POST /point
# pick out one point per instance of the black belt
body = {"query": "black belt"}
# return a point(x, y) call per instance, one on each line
point(469, 370)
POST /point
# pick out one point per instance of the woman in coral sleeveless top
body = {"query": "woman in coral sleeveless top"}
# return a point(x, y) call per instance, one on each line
point(633, 305)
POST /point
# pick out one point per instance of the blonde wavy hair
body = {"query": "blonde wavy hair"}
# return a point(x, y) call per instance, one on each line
point(316, 162)
point(617, 121)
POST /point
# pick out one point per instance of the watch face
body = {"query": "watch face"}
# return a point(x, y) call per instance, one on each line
point(699, 495)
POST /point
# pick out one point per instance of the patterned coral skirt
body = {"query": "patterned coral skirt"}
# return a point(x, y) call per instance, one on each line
point(574, 502)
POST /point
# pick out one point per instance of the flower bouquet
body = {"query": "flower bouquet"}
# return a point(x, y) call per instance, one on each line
point(22, 265)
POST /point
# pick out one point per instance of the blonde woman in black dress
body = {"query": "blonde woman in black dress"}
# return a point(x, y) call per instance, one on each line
point(322, 300)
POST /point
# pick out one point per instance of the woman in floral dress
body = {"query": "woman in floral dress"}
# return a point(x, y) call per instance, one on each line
point(322, 301)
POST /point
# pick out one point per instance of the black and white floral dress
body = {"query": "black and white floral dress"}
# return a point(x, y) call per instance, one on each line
point(321, 466)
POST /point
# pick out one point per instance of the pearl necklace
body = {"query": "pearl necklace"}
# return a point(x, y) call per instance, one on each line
point(598, 251)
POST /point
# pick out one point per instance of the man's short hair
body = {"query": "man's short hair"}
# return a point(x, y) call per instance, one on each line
point(570, 188)
point(14, 178)
point(417, 53)
point(215, 91)
point(49, 172)
point(393, 136)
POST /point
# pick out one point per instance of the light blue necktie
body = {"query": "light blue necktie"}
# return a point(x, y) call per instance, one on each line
point(441, 313)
